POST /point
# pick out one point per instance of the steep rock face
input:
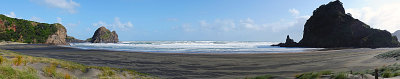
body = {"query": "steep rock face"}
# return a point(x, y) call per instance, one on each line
point(329, 26)
point(103, 35)
point(58, 38)
point(397, 34)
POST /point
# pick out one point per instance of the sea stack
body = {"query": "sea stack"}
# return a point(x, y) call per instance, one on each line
point(103, 35)
point(330, 27)
point(289, 43)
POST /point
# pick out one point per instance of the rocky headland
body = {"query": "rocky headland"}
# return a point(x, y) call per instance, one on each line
point(25, 31)
point(331, 27)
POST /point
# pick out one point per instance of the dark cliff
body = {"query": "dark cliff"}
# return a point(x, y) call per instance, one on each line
point(330, 26)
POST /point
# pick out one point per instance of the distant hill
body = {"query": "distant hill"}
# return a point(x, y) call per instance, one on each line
point(330, 26)
point(397, 34)
point(20, 30)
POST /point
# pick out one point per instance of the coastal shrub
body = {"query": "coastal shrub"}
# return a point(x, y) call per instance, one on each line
point(388, 74)
point(20, 30)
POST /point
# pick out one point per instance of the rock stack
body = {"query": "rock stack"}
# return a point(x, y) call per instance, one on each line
point(103, 35)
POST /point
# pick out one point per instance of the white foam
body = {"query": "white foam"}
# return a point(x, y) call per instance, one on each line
point(191, 46)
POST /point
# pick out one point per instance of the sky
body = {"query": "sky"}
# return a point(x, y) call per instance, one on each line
point(191, 20)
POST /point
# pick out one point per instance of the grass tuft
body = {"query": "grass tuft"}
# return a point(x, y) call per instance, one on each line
point(309, 75)
point(18, 60)
point(263, 77)
point(50, 70)
point(2, 59)
point(67, 76)
point(340, 75)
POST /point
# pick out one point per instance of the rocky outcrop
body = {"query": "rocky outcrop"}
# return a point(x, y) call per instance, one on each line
point(289, 43)
point(103, 35)
point(58, 38)
point(71, 39)
point(397, 34)
point(330, 26)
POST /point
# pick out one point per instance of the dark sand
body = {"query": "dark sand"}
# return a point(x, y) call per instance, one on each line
point(213, 66)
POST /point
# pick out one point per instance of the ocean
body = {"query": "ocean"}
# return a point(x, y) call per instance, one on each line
point(219, 47)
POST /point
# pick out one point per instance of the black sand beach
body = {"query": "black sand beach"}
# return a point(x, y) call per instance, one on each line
point(211, 66)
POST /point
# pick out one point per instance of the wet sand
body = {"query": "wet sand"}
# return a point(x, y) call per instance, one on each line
point(211, 66)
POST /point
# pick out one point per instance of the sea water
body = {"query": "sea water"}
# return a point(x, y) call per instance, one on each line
point(192, 47)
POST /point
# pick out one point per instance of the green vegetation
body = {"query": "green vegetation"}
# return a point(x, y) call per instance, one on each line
point(388, 71)
point(7, 72)
point(20, 30)
point(262, 77)
point(385, 72)
point(309, 75)
point(89, 39)
point(390, 54)
point(107, 35)
point(340, 75)
point(313, 75)
point(13, 68)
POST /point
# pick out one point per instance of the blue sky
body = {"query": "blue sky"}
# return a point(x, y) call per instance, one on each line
point(223, 20)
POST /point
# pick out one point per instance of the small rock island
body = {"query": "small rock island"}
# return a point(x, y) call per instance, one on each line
point(289, 43)
point(103, 35)
point(331, 27)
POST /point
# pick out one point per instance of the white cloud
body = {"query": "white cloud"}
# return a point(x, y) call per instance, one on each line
point(294, 12)
point(73, 24)
point(12, 15)
point(218, 24)
point(119, 24)
point(116, 25)
point(37, 19)
point(248, 24)
point(384, 16)
point(284, 24)
point(187, 28)
point(67, 5)
point(173, 19)
point(59, 20)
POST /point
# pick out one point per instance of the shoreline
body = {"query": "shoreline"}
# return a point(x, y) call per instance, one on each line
point(211, 66)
